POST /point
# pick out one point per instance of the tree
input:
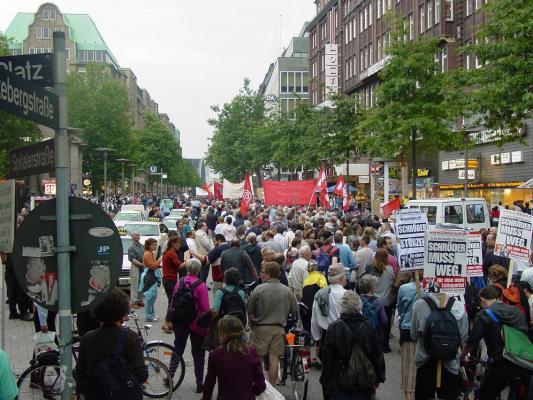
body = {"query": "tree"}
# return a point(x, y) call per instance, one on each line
point(99, 105)
point(411, 113)
point(502, 90)
point(236, 126)
point(15, 132)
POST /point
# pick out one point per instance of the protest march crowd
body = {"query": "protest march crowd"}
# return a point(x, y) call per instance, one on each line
point(343, 279)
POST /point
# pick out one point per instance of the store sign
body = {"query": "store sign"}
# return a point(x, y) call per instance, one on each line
point(495, 159)
point(471, 174)
point(452, 164)
point(445, 165)
point(30, 160)
point(505, 158)
point(458, 164)
point(489, 185)
point(49, 186)
point(493, 135)
point(422, 172)
point(472, 163)
point(374, 68)
point(332, 68)
point(364, 179)
point(516, 156)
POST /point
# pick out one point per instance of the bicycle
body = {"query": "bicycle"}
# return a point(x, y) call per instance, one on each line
point(294, 363)
point(161, 351)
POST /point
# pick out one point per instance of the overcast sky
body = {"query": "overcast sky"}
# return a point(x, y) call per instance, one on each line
point(189, 54)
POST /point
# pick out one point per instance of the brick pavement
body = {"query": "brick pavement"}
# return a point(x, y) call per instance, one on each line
point(19, 347)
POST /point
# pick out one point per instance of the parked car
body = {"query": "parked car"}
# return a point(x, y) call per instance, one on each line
point(123, 217)
point(470, 213)
point(170, 222)
point(124, 277)
point(149, 229)
point(178, 212)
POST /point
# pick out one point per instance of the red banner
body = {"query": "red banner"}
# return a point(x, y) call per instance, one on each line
point(218, 187)
point(247, 195)
point(289, 193)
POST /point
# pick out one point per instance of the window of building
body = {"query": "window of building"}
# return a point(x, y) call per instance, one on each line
point(346, 68)
point(475, 214)
point(437, 11)
point(67, 52)
point(453, 214)
point(478, 62)
point(378, 10)
point(361, 21)
point(361, 60)
point(305, 82)
point(468, 57)
point(336, 16)
point(39, 32)
point(430, 14)
point(422, 14)
point(370, 55)
point(90, 55)
point(46, 15)
point(283, 83)
point(468, 7)
point(448, 10)
point(52, 15)
point(370, 14)
point(479, 3)
point(380, 54)
point(46, 33)
point(411, 26)
point(32, 50)
point(444, 59)
point(16, 52)
point(353, 28)
point(322, 62)
point(290, 82)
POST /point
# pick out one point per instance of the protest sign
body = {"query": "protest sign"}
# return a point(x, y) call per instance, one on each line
point(513, 239)
point(411, 226)
point(445, 260)
point(474, 265)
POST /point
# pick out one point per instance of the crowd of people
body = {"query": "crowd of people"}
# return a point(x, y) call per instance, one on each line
point(338, 275)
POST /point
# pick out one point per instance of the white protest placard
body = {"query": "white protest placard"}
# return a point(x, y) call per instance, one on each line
point(7, 215)
point(410, 227)
point(474, 265)
point(445, 260)
point(513, 239)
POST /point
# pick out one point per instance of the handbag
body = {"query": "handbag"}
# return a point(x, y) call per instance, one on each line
point(270, 393)
point(149, 280)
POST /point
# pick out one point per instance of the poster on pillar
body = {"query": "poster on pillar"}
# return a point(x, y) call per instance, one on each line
point(445, 261)
point(411, 226)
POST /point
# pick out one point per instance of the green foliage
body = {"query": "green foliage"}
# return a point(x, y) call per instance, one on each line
point(15, 132)
point(502, 91)
point(411, 98)
point(99, 105)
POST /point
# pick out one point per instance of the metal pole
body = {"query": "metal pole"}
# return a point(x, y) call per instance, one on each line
point(3, 283)
point(413, 163)
point(133, 184)
point(62, 214)
point(105, 176)
point(465, 194)
point(161, 186)
point(123, 179)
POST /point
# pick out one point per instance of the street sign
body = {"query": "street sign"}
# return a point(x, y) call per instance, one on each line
point(27, 100)
point(153, 169)
point(35, 68)
point(96, 261)
point(7, 215)
point(38, 158)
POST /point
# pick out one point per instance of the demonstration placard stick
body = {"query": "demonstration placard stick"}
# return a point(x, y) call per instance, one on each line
point(510, 273)
point(442, 304)
point(418, 285)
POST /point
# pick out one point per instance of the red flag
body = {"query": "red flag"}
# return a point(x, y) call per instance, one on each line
point(339, 186)
point(217, 188)
point(208, 190)
point(247, 195)
point(389, 208)
point(322, 187)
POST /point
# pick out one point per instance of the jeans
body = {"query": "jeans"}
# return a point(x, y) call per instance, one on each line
point(198, 354)
point(150, 297)
point(135, 275)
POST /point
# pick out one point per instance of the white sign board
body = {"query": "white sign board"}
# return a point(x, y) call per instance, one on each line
point(410, 227)
point(475, 255)
point(513, 239)
point(331, 62)
point(7, 215)
point(50, 189)
point(446, 260)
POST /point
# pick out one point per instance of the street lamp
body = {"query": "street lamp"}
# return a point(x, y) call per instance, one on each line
point(105, 151)
point(132, 166)
point(123, 160)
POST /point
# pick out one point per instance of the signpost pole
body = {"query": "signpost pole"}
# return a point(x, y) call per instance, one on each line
point(465, 189)
point(62, 214)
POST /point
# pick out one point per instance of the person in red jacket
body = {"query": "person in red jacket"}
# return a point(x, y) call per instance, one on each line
point(233, 358)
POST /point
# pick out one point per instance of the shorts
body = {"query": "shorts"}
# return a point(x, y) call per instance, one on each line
point(268, 339)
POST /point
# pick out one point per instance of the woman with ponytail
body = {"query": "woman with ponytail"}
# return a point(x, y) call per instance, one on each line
point(234, 364)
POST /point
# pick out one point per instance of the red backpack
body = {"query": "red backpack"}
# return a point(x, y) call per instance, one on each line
point(511, 296)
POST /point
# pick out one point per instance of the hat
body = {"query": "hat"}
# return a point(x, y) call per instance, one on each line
point(326, 235)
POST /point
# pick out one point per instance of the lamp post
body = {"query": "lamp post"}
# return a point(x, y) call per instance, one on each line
point(105, 151)
point(123, 160)
point(142, 170)
point(132, 166)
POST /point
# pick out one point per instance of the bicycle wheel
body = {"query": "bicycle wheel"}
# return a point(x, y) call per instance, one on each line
point(471, 392)
point(41, 381)
point(299, 379)
point(165, 353)
point(284, 366)
point(159, 382)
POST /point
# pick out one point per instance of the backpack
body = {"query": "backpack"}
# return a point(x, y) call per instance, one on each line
point(113, 377)
point(308, 297)
point(511, 296)
point(357, 372)
point(323, 259)
point(441, 336)
point(517, 347)
point(184, 303)
point(233, 304)
point(370, 310)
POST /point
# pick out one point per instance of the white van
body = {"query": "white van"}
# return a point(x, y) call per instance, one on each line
point(470, 213)
point(133, 207)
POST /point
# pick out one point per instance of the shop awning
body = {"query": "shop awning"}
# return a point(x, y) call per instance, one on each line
point(526, 185)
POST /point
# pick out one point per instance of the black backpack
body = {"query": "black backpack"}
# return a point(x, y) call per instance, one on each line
point(113, 377)
point(233, 304)
point(184, 303)
point(441, 335)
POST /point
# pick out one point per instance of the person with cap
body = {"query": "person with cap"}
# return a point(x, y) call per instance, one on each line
point(253, 250)
point(194, 331)
point(327, 254)
point(326, 305)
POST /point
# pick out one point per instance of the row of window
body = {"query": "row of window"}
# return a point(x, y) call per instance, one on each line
point(45, 32)
point(473, 5)
point(366, 57)
point(91, 55)
point(42, 50)
point(288, 105)
point(365, 18)
point(49, 15)
point(294, 82)
point(367, 96)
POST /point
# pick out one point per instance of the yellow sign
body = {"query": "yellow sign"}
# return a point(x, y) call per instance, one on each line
point(489, 185)
point(422, 172)
point(472, 163)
